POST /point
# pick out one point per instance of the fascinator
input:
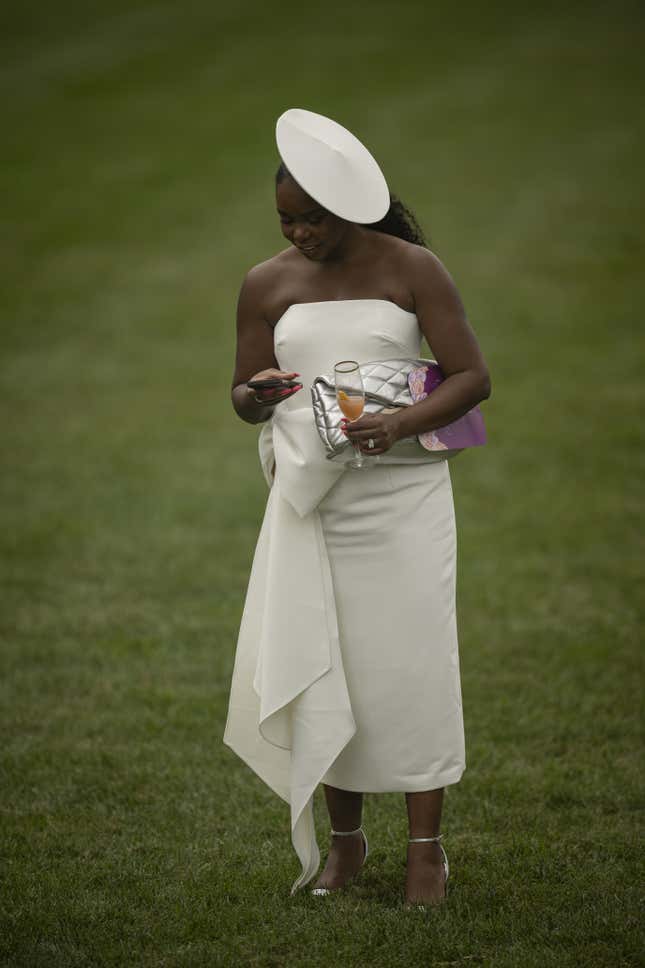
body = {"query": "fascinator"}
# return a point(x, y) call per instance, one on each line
point(332, 165)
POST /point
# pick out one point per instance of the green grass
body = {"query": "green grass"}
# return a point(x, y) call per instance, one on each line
point(139, 157)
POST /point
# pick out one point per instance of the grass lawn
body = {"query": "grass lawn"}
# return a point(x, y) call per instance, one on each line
point(137, 177)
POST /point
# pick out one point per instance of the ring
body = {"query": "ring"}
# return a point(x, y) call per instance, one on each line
point(370, 443)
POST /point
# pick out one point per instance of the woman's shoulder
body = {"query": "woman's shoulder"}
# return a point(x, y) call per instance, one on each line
point(263, 276)
point(412, 266)
point(268, 268)
point(263, 281)
point(407, 253)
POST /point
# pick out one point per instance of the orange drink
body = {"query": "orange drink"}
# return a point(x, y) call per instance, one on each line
point(350, 395)
point(351, 404)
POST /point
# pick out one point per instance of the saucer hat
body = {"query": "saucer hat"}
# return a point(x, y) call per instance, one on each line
point(332, 166)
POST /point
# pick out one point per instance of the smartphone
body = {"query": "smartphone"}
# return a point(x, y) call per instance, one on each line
point(272, 382)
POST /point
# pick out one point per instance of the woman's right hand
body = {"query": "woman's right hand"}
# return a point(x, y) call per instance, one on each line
point(273, 395)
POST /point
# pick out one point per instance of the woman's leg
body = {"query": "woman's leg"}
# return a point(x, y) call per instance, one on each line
point(345, 856)
point(345, 808)
point(425, 877)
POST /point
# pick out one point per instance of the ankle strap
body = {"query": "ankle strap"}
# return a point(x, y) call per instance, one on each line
point(424, 840)
point(346, 833)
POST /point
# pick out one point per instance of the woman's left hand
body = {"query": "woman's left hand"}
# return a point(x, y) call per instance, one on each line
point(383, 429)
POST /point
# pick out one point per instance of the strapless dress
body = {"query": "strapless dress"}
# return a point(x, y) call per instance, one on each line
point(347, 663)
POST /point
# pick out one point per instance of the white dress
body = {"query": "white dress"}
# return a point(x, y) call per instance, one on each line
point(347, 664)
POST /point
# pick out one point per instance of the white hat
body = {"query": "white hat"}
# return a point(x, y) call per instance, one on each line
point(332, 166)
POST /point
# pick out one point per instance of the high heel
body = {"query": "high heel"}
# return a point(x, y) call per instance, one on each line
point(343, 833)
point(446, 866)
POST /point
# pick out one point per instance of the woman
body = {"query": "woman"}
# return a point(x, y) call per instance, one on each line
point(347, 665)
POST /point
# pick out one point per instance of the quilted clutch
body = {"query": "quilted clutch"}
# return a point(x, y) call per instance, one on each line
point(387, 387)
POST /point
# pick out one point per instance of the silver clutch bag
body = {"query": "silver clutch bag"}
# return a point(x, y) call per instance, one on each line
point(386, 390)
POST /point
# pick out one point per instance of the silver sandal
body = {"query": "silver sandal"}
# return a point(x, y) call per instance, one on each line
point(343, 833)
point(446, 866)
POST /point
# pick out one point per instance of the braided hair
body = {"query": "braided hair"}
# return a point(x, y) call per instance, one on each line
point(399, 220)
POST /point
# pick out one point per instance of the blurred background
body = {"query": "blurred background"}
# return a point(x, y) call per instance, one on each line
point(139, 158)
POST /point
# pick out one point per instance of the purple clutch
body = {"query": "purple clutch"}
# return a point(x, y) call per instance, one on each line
point(467, 431)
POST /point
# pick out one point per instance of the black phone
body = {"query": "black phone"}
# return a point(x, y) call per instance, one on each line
point(272, 382)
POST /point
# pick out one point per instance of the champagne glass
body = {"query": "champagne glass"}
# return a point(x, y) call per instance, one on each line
point(350, 395)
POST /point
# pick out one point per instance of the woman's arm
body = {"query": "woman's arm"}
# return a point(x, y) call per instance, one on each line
point(442, 320)
point(255, 358)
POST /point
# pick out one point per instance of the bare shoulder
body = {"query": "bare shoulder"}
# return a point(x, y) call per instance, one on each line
point(418, 263)
point(415, 271)
point(425, 271)
point(267, 268)
point(260, 277)
point(262, 280)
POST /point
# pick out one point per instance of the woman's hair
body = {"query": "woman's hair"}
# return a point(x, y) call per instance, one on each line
point(398, 221)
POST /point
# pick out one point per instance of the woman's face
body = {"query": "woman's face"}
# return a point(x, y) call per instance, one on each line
point(314, 230)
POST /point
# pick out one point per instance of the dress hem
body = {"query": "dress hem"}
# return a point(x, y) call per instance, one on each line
point(444, 779)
